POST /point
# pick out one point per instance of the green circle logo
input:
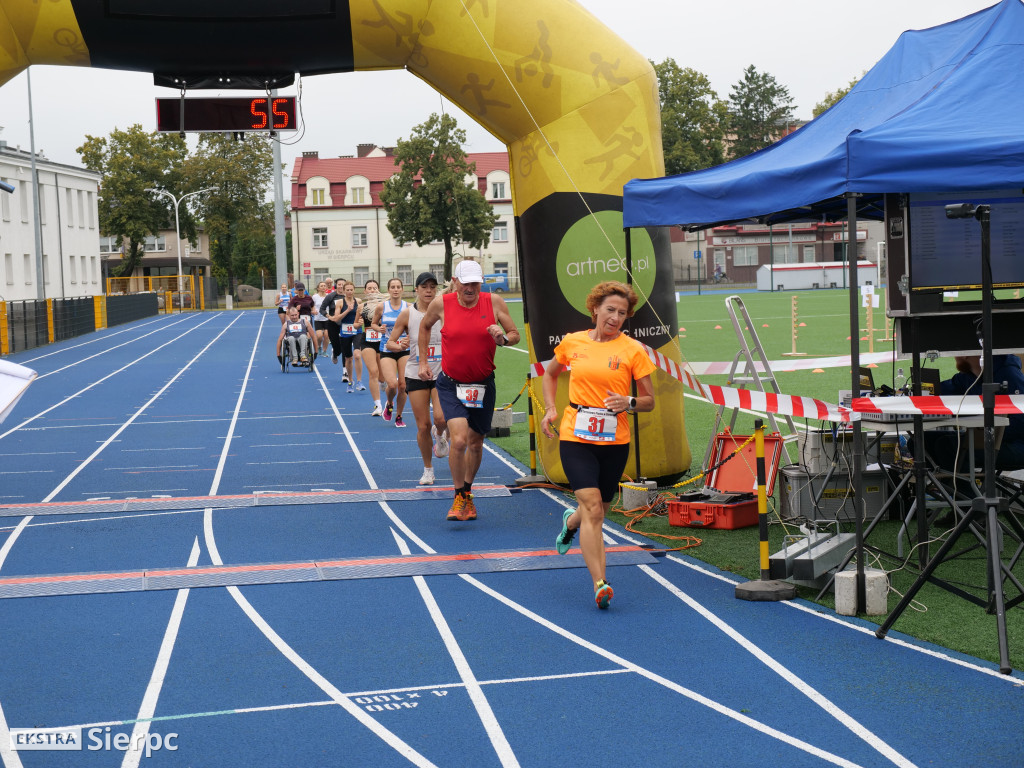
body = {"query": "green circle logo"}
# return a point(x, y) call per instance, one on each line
point(594, 250)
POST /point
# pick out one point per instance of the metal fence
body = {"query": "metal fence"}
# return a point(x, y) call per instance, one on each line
point(35, 322)
point(132, 306)
point(27, 324)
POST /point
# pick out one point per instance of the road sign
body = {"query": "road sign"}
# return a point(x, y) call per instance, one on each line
point(696, 254)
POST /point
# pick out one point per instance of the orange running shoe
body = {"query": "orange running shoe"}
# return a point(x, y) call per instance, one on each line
point(468, 508)
point(603, 594)
point(458, 505)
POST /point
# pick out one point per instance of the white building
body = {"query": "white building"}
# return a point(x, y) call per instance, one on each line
point(70, 229)
point(339, 226)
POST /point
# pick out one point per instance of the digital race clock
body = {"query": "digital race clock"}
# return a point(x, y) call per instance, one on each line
point(226, 114)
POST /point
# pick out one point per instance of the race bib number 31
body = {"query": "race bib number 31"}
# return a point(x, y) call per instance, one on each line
point(595, 425)
point(470, 395)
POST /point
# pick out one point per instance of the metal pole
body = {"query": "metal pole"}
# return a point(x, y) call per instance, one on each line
point(37, 220)
point(858, 440)
point(177, 233)
point(281, 262)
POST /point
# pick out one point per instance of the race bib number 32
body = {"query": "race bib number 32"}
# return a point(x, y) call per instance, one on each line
point(595, 425)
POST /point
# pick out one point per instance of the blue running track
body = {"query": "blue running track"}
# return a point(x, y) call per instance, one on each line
point(488, 664)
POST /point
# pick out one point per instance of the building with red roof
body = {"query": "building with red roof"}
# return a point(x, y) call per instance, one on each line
point(339, 225)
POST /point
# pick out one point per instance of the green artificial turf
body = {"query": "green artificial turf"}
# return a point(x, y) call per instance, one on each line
point(822, 330)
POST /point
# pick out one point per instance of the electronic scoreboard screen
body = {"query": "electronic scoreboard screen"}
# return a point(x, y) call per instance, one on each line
point(226, 114)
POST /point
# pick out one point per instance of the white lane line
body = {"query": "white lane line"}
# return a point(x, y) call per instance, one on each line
point(822, 613)
point(662, 681)
point(74, 473)
point(105, 351)
point(97, 338)
point(350, 694)
point(693, 695)
point(462, 666)
point(356, 711)
point(140, 733)
point(491, 725)
point(10, 757)
point(100, 381)
point(879, 745)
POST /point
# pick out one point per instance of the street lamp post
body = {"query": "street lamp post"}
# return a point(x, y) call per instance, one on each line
point(177, 226)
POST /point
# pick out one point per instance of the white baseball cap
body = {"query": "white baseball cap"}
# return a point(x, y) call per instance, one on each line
point(468, 272)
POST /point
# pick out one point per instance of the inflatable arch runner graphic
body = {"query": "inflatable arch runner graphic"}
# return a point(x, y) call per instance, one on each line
point(576, 106)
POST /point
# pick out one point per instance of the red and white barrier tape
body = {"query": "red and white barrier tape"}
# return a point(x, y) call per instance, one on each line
point(811, 408)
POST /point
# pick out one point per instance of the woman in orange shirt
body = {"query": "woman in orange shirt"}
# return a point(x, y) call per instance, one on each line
point(594, 431)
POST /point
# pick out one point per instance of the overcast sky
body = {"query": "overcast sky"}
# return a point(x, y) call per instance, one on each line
point(810, 46)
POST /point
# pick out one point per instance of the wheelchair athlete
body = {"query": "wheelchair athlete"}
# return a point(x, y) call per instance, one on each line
point(297, 332)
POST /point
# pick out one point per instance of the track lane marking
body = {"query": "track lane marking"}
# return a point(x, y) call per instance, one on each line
point(140, 731)
point(851, 723)
point(491, 725)
point(109, 375)
point(353, 709)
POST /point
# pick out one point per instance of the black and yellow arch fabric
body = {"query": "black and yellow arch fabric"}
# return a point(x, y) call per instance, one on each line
point(575, 105)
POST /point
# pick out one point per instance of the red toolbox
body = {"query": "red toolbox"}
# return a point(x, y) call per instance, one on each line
point(711, 507)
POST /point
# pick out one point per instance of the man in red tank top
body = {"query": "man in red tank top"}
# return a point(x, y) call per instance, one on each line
point(474, 325)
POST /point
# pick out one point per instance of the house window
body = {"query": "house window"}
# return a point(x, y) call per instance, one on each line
point(360, 275)
point(785, 254)
point(316, 196)
point(156, 243)
point(9, 267)
point(81, 209)
point(69, 207)
point(359, 238)
point(74, 272)
point(808, 253)
point(319, 237)
point(498, 190)
point(23, 190)
point(437, 270)
point(501, 267)
point(358, 195)
point(500, 232)
point(95, 273)
point(110, 244)
point(405, 274)
point(5, 204)
point(27, 268)
point(744, 256)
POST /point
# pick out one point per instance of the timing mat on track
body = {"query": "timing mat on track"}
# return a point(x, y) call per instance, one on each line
point(327, 570)
point(275, 499)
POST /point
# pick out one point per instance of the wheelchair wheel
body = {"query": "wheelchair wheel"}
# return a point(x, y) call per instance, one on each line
point(285, 358)
point(312, 359)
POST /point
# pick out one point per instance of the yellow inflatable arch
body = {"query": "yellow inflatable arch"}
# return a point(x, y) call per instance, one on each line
point(576, 106)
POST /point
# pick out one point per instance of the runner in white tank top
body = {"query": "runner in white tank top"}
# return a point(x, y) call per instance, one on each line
point(422, 394)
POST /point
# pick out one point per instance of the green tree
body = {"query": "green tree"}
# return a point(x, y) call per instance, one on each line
point(238, 221)
point(428, 200)
point(833, 96)
point(758, 108)
point(130, 161)
point(693, 119)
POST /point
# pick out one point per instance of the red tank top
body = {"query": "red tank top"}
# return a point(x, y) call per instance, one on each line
point(467, 349)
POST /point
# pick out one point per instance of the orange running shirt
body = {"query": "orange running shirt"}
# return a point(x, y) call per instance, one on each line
point(596, 367)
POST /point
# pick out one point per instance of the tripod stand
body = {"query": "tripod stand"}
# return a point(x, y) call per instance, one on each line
point(989, 505)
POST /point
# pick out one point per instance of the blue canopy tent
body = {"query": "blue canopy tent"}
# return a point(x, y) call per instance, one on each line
point(943, 111)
